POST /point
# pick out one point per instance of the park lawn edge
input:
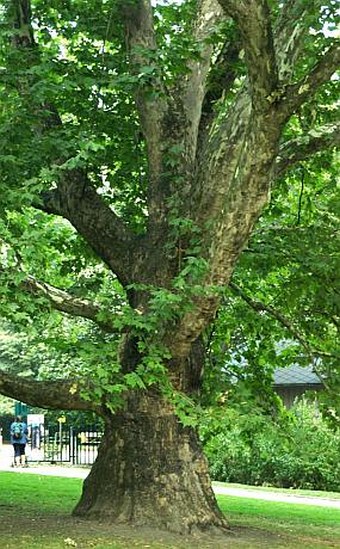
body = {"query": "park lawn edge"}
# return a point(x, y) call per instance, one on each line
point(287, 491)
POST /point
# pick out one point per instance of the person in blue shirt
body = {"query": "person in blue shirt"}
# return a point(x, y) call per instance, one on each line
point(19, 434)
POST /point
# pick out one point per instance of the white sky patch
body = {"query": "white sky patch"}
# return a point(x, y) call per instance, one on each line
point(164, 2)
point(334, 33)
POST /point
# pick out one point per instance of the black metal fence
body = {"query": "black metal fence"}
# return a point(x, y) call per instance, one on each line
point(62, 444)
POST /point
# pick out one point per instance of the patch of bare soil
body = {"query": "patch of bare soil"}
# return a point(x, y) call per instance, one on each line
point(86, 534)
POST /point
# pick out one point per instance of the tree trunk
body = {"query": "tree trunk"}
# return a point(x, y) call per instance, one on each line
point(150, 471)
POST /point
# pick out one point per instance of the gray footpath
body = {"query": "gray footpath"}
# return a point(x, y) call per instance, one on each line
point(6, 459)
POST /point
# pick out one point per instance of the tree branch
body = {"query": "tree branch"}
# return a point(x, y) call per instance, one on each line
point(219, 82)
point(302, 147)
point(297, 94)
point(209, 13)
point(259, 306)
point(23, 36)
point(57, 395)
point(150, 95)
point(290, 30)
point(74, 198)
point(63, 301)
point(106, 233)
point(253, 20)
point(66, 303)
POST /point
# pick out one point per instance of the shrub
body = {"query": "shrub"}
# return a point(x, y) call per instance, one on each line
point(297, 451)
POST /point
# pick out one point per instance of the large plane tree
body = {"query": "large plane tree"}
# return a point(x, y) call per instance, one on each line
point(139, 145)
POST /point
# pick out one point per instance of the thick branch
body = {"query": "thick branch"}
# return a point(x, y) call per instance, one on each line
point(231, 192)
point(291, 30)
point(297, 94)
point(105, 232)
point(142, 47)
point(57, 395)
point(301, 148)
point(66, 303)
point(23, 36)
point(253, 20)
point(219, 82)
point(63, 301)
point(209, 13)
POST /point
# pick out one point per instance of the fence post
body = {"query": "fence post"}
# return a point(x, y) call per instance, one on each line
point(72, 456)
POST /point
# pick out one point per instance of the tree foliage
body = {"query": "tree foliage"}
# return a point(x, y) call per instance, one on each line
point(298, 451)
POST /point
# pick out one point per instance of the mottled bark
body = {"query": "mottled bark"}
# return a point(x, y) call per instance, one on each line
point(194, 85)
point(291, 31)
point(72, 305)
point(231, 196)
point(150, 471)
point(254, 22)
point(297, 94)
point(301, 148)
point(76, 200)
point(55, 395)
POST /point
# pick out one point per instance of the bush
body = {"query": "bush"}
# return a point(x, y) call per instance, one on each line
point(298, 451)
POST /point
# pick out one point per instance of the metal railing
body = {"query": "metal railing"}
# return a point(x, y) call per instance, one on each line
point(61, 444)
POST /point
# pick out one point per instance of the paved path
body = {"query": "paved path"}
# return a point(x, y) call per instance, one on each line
point(277, 496)
point(6, 459)
point(79, 472)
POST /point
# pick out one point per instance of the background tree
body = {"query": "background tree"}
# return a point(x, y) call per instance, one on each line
point(139, 147)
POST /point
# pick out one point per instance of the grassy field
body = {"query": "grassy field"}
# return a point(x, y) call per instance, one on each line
point(35, 514)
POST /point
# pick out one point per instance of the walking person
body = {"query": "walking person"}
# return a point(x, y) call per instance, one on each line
point(19, 434)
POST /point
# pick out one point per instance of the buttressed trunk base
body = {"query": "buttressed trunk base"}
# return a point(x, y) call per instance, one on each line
point(150, 471)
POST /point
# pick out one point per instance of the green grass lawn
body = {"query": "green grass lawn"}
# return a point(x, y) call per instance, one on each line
point(306, 521)
point(35, 514)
